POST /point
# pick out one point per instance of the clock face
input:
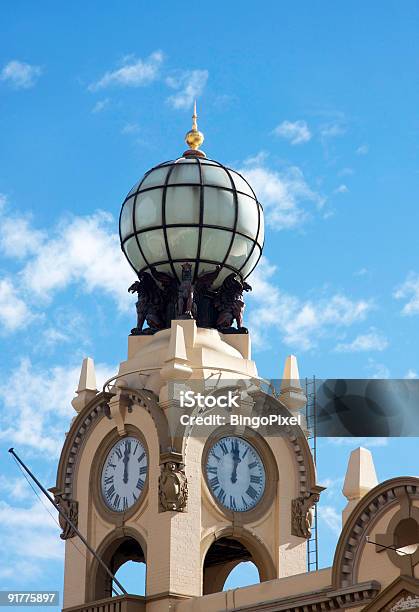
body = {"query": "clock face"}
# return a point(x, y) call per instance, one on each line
point(124, 473)
point(235, 474)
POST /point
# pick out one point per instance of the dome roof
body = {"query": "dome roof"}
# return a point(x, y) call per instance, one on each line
point(195, 210)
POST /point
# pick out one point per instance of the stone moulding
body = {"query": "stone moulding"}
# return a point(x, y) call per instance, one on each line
point(326, 599)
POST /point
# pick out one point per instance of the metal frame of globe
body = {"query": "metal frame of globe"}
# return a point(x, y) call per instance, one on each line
point(163, 226)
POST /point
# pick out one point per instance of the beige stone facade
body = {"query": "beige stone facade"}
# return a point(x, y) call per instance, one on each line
point(189, 550)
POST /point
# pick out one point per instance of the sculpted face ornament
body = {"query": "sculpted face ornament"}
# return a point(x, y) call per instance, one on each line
point(173, 487)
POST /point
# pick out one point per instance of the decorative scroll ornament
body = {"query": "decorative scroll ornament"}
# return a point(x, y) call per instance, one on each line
point(302, 514)
point(71, 508)
point(173, 487)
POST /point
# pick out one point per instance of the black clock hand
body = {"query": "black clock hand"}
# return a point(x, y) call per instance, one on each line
point(236, 461)
point(125, 460)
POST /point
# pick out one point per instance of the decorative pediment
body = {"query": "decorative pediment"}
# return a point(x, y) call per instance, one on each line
point(408, 601)
point(402, 594)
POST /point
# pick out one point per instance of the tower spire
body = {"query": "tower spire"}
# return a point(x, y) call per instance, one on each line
point(194, 138)
point(194, 118)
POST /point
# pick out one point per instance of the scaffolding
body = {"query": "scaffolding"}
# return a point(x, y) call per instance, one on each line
point(311, 424)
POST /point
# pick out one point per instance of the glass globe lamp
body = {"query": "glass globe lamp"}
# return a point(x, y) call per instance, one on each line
point(193, 210)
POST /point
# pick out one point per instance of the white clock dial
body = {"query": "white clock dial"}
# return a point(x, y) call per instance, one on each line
point(124, 474)
point(235, 473)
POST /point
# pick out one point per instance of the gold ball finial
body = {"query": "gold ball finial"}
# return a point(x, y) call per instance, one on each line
point(194, 138)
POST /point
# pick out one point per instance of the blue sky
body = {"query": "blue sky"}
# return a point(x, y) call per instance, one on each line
point(317, 103)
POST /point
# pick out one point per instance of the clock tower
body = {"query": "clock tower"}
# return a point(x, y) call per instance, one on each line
point(145, 479)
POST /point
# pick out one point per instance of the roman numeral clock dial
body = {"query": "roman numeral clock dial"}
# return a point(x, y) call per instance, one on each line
point(124, 474)
point(235, 474)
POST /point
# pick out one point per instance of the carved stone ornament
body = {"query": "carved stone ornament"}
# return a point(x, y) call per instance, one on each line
point(162, 298)
point(302, 514)
point(407, 602)
point(173, 487)
point(71, 508)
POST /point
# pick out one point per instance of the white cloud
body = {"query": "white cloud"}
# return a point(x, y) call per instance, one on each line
point(15, 488)
point(361, 272)
point(346, 172)
point(30, 542)
point(38, 416)
point(21, 571)
point(300, 322)
point(189, 85)
point(20, 75)
point(331, 517)
point(409, 290)
point(100, 105)
point(14, 312)
point(18, 238)
point(371, 341)
point(362, 150)
point(84, 251)
point(332, 129)
point(377, 370)
point(134, 72)
point(52, 336)
point(297, 132)
point(341, 189)
point(282, 194)
point(411, 374)
point(130, 128)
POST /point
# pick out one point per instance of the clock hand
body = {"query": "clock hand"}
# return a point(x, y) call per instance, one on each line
point(236, 461)
point(125, 460)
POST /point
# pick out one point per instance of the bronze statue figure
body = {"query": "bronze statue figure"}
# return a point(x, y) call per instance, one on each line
point(162, 298)
point(186, 308)
point(148, 305)
point(230, 304)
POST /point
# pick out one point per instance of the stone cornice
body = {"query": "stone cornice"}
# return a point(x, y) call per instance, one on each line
point(326, 599)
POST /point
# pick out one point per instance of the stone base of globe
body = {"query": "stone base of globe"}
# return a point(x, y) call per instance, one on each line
point(186, 352)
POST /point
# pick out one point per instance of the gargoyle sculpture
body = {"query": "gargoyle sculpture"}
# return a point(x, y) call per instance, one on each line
point(204, 297)
point(162, 298)
point(230, 304)
point(149, 305)
point(186, 307)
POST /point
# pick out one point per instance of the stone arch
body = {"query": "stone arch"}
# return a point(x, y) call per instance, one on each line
point(224, 549)
point(84, 422)
point(394, 493)
point(123, 544)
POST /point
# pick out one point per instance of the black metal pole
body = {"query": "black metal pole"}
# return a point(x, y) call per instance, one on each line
point(399, 551)
point(65, 517)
